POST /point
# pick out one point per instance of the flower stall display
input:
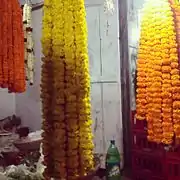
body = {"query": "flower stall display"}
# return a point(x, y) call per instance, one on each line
point(28, 42)
point(12, 75)
point(65, 91)
point(158, 79)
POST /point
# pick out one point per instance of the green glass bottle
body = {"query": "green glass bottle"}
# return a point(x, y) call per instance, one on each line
point(113, 163)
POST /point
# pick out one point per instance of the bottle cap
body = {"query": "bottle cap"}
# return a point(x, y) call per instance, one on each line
point(113, 142)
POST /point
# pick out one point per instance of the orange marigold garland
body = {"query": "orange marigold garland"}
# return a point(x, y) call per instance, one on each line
point(144, 78)
point(141, 83)
point(10, 46)
point(161, 74)
point(1, 46)
point(175, 5)
point(18, 48)
point(12, 75)
point(5, 44)
point(175, 71)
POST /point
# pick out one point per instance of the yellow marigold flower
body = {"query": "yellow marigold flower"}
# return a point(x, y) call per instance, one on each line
point(66, 91)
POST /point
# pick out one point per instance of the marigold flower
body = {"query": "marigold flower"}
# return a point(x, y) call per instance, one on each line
point(158, 49)
point(66, 103)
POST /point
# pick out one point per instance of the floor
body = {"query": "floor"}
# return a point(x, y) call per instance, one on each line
point(124, 178)
point(96, 178)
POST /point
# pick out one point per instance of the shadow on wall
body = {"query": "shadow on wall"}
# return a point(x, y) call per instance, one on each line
point(7, 103)
point(28, 105)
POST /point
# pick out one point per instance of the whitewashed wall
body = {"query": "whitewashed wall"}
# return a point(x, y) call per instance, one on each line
point(105, 78)
point(7, 103)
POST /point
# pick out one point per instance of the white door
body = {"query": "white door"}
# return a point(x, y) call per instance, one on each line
point(105, 78)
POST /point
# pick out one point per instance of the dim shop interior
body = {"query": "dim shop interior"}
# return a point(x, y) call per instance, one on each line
point(90, 90)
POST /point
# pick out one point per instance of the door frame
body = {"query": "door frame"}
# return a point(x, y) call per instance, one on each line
point(125, 84)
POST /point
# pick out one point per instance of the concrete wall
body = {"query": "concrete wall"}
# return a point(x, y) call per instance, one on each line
point(7, 103)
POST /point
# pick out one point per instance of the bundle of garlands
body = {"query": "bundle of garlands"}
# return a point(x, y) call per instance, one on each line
point(65, 91)
point(158, 79)
point(12, 75)
point(28, 42)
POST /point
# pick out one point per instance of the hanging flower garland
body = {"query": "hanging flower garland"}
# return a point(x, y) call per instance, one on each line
point(71, 107)
point(18, 49)
point(158, 54)
point(66, 103)
point(144, 79)
point(46, 90)
point(175, 5)
point(12, 74)
point(10, 46)
point(83, 91)
point(1, 46)
point(5, 44)
point(59, 106)
point(28, 43)
point(175, 71)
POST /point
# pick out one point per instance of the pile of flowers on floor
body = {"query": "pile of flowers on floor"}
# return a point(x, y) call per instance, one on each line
point(30, 169)
point(21, 172)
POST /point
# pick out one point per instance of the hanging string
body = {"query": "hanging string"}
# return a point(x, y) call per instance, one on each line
point(28, 42)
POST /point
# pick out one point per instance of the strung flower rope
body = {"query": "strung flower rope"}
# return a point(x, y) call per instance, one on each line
point(18, 35)
point(10, 46)
point(83, 89)
point(71, 106)
point(158, 54)
point(28, 43)
point(58, 106)
point(12, 74)
point(144, 78)
point(66, 103)
point(175, 71)
point(1, 46)
point(47, 91)
point(5, 44)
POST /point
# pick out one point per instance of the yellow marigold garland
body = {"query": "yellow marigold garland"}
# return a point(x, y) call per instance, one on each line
point(71, 92)
point(158, 49)
point(83, 97)
point(46, 90)
point(66, 91)
point(58, 106)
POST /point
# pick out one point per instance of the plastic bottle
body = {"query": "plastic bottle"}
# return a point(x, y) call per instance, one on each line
point(113, 163)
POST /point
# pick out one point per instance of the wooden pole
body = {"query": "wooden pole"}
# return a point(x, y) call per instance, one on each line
point(125, 83)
